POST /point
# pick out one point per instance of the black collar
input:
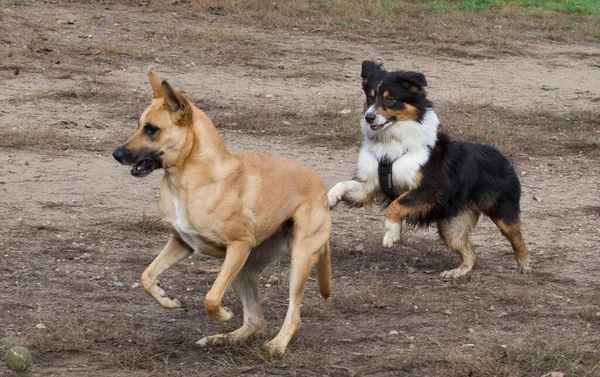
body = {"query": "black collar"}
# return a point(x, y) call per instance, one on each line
point(386, 178)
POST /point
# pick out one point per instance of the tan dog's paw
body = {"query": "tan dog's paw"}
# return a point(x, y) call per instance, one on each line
point(392, 234)
point(167, 302)
point(274, 348)
point(524, 267)
point(221, 315)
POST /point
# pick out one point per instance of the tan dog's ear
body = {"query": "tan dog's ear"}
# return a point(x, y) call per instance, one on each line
point(179, 107)
point(155, 82)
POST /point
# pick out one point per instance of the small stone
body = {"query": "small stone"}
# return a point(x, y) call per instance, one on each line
point(411, 270)
point(554, 374)
point(40, 326)
point(269, 96)
point(447, 312)
point(268, 285)
point(393, 332)
point(537, 199)
point(345, 111)
point(468, 345)
point(118, 284)
point(273, 279)
point(135, 285)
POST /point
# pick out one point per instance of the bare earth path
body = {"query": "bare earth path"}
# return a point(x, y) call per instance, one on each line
point(77, 230)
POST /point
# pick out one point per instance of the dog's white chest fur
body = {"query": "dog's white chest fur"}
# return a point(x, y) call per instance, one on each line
point(182, 224)
point(406, 143)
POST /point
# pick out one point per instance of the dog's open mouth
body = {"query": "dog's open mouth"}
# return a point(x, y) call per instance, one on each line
point(376, 127)
point(144, 167)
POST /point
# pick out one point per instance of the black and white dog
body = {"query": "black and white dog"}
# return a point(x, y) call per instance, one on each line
point(429, 178)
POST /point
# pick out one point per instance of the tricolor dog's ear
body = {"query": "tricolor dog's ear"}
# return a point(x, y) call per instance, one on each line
point(411, 77)
point(368, 67)
point(179, 107)
point(155, 82)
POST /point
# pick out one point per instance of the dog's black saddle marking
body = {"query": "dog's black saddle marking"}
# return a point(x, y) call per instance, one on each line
point(385, 178)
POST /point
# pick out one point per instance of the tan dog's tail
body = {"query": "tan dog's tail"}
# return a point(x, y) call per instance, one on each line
point(324, 271)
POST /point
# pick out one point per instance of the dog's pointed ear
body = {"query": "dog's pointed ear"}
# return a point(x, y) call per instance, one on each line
point(155, 82)
point(368, 67)
point(179, 107)
point(411, 77)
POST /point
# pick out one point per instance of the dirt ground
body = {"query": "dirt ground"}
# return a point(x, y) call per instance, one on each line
point(77, 230)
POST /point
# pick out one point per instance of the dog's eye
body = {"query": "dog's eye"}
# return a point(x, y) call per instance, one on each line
point(389, 99)
point(150, 130)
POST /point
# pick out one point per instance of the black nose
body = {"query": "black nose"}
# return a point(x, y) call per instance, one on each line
point(370, 117)
point(119, 154)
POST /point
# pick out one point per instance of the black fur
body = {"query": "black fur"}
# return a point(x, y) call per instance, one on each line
point(459, 175)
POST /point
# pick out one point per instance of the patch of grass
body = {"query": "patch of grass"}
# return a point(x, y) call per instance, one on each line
point(519, 133)
point(16, 3)
point(589, 7)
point(492, 23)
point(96, 17)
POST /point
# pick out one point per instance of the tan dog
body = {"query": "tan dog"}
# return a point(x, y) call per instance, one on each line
point(247, 208)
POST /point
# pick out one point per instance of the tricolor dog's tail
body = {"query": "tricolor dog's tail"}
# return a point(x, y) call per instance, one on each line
point(324, 271)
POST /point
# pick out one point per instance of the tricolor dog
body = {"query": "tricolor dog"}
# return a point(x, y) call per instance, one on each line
point(249, 209)
point(428, 178)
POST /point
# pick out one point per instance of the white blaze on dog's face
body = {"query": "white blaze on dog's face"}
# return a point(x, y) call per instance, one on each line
point(391, 97)
point(162, 134)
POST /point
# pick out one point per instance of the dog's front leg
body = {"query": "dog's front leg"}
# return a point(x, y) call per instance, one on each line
point(413, 203)
point(352, 192)
point(235, 258)
point(174, 251)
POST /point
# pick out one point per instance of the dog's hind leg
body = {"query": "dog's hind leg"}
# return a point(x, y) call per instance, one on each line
point(512, 232)
point(312, 227)
point(455, 233)
point(174, 251)
point(245, 286)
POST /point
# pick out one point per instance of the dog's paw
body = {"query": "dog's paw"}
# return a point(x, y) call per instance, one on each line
point(392, 234)
point(334, 196)
point(213, 340)
point(524, 267)
point(167, 302)
point(275, 349)
point(221, 315)
point(455, 272)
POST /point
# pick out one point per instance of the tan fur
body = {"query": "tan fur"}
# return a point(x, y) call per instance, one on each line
point(408, 113)
point(233, 206)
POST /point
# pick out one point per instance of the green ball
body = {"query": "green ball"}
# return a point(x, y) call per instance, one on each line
point(17, 358)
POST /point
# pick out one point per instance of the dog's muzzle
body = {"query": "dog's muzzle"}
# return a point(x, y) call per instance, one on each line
point(144, 162)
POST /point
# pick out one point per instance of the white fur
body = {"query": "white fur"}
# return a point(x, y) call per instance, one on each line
point(392, 233)
point(407, 143)
point(182, 225)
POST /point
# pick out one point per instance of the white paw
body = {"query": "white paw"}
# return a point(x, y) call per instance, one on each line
point(392, 234)
point(335, 195)
point(212, 340)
